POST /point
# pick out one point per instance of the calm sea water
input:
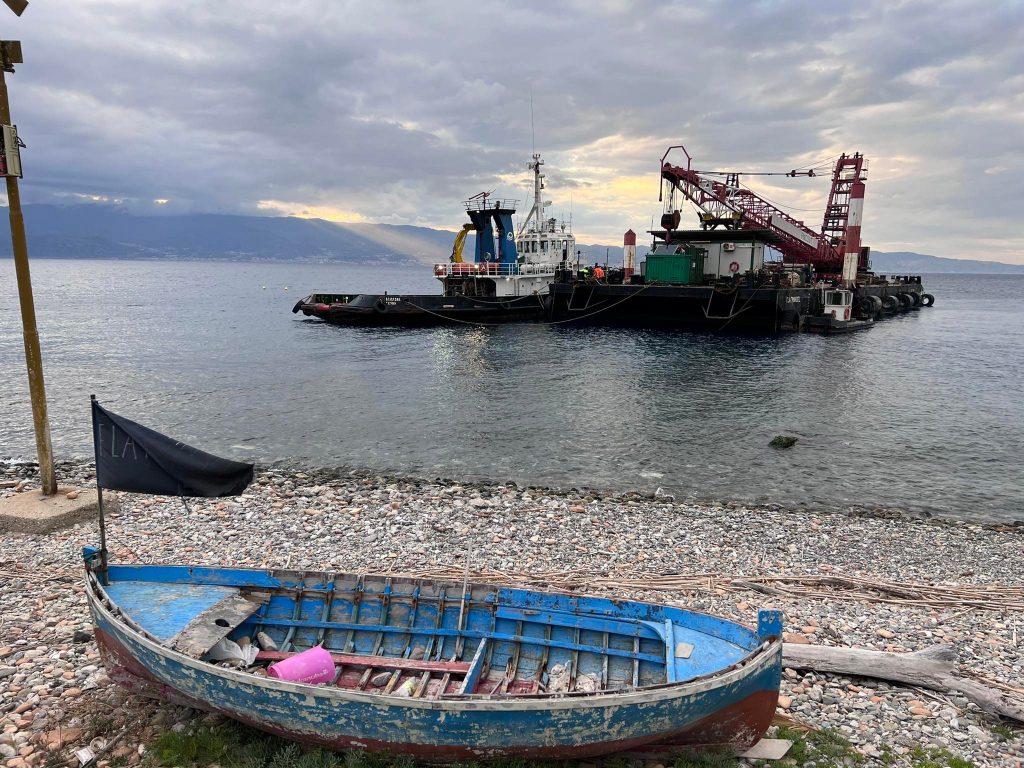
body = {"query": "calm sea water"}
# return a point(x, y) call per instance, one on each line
point(923, 412)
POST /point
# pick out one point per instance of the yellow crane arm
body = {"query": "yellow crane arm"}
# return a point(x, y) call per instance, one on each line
point(460, 242)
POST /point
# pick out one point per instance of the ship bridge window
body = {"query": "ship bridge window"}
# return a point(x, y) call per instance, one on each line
point(835, 298)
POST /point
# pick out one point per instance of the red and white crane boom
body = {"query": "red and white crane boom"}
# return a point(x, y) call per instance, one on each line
point(835, 250)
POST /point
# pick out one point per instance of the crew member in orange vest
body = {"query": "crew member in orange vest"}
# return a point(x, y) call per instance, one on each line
point(598, 272)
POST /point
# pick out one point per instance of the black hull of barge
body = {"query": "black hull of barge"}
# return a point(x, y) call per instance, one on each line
point(719, 308)
point(422, 311)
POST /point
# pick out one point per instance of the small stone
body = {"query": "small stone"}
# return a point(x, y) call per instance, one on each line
point(81, 636)
point(58, 738)
point(885, 633)
point(920, 712)
point(380, 679)
point(72, 494)
point(785, 702)
point(790, 637)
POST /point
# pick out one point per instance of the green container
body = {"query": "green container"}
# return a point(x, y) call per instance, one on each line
point(686, 267)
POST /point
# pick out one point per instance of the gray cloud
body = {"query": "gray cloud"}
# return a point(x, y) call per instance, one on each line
point(396, 112)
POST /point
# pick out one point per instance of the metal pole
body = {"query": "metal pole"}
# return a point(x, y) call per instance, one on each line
point(33, 357)
point(103, 538)
point(99, 490)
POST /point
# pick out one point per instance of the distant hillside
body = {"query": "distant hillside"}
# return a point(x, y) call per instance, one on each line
point(906, 261)
point(106, 232)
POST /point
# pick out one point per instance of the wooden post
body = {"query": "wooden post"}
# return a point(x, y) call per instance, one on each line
point(33, 358)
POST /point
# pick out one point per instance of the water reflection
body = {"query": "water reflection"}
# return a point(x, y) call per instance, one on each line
point(919, 412)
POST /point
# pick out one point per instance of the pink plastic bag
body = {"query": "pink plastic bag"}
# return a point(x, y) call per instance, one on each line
point(314, 666)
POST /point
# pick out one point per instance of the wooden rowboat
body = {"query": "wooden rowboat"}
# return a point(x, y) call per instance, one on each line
point(439, 670)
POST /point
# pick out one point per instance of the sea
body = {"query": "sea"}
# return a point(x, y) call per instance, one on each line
point(922, 413)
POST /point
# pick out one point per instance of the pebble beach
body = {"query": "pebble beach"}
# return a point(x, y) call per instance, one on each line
point(55, 697)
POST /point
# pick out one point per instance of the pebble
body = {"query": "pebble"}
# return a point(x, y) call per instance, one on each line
point(360, 522)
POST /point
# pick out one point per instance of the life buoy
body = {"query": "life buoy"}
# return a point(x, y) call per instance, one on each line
point(734, 267)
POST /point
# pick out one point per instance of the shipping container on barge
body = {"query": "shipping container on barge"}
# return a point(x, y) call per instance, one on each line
point(722, 276)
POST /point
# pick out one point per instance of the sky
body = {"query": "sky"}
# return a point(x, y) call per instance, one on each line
point(397, 112)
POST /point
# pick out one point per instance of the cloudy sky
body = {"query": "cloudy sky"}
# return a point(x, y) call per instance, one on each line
point(396, 112)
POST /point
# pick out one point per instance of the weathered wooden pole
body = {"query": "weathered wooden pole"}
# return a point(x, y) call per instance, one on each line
point(11, 54)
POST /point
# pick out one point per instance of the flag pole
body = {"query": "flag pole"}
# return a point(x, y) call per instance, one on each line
point(99, 495)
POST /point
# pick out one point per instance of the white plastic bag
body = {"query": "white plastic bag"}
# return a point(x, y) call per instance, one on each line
point(229, 649)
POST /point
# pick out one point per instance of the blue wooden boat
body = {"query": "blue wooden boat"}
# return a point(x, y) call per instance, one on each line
point(438, 670)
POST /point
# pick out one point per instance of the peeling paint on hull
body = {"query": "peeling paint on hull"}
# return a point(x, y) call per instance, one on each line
point(732, 709)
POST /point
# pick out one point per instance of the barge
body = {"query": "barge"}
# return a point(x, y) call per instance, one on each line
point(750, 266)
point(690, 280)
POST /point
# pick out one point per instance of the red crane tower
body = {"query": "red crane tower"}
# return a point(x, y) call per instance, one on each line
point(835, 251)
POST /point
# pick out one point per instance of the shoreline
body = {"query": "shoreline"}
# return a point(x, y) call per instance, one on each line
point(595, 542)
point(78, 468)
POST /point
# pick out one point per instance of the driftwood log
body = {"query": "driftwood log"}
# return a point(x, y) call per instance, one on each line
point(933, 668)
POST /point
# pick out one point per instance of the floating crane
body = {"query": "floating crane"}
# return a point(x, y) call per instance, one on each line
point(835, 250)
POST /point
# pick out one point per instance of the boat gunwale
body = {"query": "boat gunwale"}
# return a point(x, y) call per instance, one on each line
point(763, 655)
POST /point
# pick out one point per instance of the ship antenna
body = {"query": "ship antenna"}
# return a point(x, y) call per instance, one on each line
point(533, 130)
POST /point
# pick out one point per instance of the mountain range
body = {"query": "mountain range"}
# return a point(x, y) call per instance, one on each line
point(109, 232)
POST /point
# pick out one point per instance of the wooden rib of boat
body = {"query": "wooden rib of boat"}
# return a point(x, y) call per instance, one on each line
point(439, 670)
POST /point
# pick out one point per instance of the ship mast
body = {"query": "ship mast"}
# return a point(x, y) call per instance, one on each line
point(537, 210)
point(538, 201)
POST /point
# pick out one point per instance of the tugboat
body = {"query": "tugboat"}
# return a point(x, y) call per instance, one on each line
point(507, 281)
point(836, 313)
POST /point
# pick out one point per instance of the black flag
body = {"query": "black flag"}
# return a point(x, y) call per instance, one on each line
point(131, 457)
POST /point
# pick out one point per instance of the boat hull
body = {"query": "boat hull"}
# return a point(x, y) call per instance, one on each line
point(424, 310)
point(732, 708)
point(705, 307)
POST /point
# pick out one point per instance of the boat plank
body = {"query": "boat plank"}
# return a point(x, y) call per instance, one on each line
point(382, 662)
point(627, 627)
point(656, 658)
point(212, 625)
point(475, 667)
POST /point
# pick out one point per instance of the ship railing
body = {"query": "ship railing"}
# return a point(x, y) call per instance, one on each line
point(490, 203)
point(471, 269)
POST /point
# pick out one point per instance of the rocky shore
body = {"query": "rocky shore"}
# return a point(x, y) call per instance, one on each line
point(55, 697)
